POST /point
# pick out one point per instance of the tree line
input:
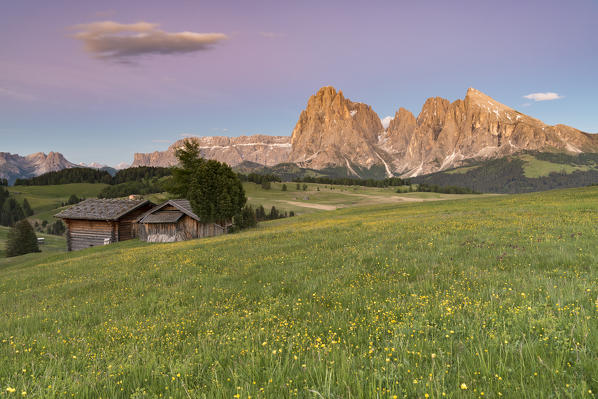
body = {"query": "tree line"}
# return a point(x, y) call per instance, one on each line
point(90, 175)
point(349, 181)
point(259, 178)
point(507, 175)
point(433, 188)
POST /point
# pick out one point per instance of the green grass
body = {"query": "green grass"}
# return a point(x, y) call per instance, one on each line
point(52, 244)
point(331, 196)
point(46, 200)
point(499, 294)
point(462, 170)
point(534, 167)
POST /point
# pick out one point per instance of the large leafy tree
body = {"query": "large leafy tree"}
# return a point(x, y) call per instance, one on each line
point(21, 240)
point(213, 188)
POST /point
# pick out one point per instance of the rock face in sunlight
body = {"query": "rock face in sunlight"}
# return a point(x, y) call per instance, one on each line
point(333, 131)
point(444, 134)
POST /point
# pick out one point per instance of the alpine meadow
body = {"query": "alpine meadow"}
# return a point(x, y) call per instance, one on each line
point(478, 297)
point(382, 199)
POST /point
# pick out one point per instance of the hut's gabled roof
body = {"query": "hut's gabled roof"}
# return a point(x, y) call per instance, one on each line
point(101, 209)
point(154, 215)
point(163, 217)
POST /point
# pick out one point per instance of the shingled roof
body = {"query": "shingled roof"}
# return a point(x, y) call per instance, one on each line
point(154, 215)
point(163, 217)
point(101, 209)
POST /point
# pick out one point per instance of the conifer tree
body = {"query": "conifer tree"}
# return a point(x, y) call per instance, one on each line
point(27, 208)
point(21, 240)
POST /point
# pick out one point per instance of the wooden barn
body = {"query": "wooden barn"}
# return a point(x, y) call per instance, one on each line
point(101, 221)
point(175, 221)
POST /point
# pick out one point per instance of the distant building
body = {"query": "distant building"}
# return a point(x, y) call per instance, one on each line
point(174, 220)
point(96, 222)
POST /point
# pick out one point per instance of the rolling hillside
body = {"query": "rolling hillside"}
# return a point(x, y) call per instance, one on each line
point(402, 300)
point(521, 173)
point(46, 200)
point(53, 244)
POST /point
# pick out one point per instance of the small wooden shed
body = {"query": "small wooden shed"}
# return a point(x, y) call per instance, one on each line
point(101, 221)
point(173, 221)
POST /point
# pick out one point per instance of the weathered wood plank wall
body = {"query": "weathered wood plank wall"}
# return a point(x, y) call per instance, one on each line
point(89, 233)
point(186, 228)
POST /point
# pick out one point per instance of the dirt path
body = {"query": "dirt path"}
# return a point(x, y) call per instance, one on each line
point(391, 198)
point(314, 206)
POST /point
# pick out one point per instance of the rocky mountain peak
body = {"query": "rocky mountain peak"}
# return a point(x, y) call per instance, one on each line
point(333, 130)
point(433, 111)
point(477, 98)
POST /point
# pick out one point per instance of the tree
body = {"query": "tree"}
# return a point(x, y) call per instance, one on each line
point(182, 176)
point(260, 213)
point(27, 208)
point(213, 189)
point(245, 219)
point(21, 240)
point(298, 186)
point(11, 212)
point(273, 213)
point(57, 228)
point(284, 187)
point(266, 185)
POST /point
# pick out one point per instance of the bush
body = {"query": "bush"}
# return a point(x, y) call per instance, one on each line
point(21, 240)
point(73, 199)
point(284, 187)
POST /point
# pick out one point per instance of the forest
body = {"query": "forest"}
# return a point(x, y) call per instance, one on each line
point(507, 176)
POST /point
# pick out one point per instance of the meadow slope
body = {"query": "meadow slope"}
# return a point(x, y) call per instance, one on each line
point(483, 297)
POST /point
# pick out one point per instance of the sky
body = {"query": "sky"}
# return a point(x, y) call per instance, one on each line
point(99, 81)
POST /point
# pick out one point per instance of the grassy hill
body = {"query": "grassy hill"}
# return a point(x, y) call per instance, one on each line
point(318, 197)
point(478, 297)
point(525, 172)
point(52, 244)
point(46, 200)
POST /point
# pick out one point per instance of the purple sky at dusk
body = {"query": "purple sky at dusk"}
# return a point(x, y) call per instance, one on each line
point(56, 94)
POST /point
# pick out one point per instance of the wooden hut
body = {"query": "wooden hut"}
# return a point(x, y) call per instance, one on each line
point(173, 221)
point(101, 221)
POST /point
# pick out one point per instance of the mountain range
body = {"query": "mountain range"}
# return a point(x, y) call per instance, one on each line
point(335, 133)
point(13, 166)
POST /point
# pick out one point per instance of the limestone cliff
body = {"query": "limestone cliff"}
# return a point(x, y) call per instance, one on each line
point(333, 131)
point(261, 149)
